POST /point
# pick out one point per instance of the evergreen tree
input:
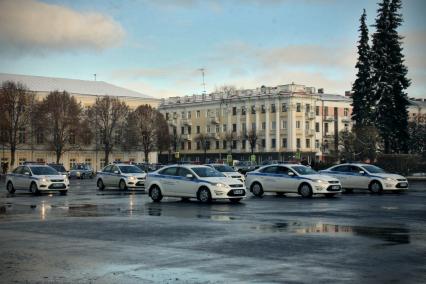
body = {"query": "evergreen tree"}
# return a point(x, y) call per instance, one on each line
point(362, 98)
point(389, 78)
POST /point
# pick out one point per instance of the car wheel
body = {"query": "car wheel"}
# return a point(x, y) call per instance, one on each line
point(100, 184)
point(330, 195)
point(375, 187)
point(122, 185)
point(305, 190)
point(34, 188)
point(257, 189)
point(155, 194)
point(63, 192)
point(235, 200)
point(10, 187)
point(204, 195)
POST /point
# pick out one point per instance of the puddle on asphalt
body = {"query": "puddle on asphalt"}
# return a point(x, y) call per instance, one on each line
point(391, 235)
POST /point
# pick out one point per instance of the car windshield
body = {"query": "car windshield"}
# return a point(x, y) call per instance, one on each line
point(81, 167)
point(302, 170)
point(130, 169)
point(223, 168)
point(59, 168)
point(374, 169)
point(207, 172)
point(44, 171)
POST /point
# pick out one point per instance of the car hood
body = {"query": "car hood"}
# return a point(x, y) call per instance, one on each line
point(225, 180)
point(320, 176)
point(386, 175)
point(51, 176)
point(230, 174)
point(138, 175)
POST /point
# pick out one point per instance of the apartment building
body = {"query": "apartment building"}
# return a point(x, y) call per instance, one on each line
point(35, 148)
point(289, 121)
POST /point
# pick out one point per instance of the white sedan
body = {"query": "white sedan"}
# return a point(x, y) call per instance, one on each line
point(366, 176)
point(37, 178)
point(123, 176)
point(193, 181)
point(227, 171)
point(291, 178)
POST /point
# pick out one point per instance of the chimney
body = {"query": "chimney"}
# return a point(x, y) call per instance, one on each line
point(320, 90)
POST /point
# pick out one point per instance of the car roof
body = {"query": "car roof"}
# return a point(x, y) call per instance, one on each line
point(123, 164)
point(352, 164)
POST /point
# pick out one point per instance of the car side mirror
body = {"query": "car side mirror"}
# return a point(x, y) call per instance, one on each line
point(189, 176)
point(27, 173)
point(291, 174)
point(361, 172)
point(115, 172)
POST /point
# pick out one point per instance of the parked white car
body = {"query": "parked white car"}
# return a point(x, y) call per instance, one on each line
point(366, 176)
point(193, 181)
point(36, 178)
point(227, 171)
point(291, 178)
point(123, 176)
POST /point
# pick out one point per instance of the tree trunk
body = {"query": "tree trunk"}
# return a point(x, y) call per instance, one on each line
point(205, 155)
point(146, 156)
point(12, 157)
point(58, 156)
point(106, 158)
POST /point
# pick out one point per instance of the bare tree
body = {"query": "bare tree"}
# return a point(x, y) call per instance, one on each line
point(16, 105)
point(163, 134)
point(175, 138)
point(108, 115)
point(252, 137)
point(229, 138)
point(227, 90)
point(64, 115)
point(204, 140)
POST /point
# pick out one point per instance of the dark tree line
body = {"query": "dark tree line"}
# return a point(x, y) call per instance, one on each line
point(379, 97)
point(59, 122)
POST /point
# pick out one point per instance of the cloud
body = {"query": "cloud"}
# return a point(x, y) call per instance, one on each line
point(33, 26)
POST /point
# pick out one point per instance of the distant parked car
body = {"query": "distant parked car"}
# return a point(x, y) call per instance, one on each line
point(81, 171)
point(366, 176)
point(244, 166)
point(146, 167)
point(123, 176)
point(227, 171)
point(60, 169)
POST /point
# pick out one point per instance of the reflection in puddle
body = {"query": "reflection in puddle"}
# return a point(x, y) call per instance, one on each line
point(392, 235)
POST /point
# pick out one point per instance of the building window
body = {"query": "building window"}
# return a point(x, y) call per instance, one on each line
point(189, 129)
point(307, 126)
point(298, 107)
point(307, 108)
point(40, 137)
point(234, 127)
point(208, 129)
point(317, 110)
point(217, 144)
point(234, 144)
point(21, 135)
point(263, 125)
point(217, 128)
point(234, 111)
point(298, 124)
point(243, 110)
point(326, 127)
point(183, 114)
point(284, 143)
point(182, 130)
point(198, 145)
point(71, 138)
point(308, 143)
point(224, 144)
point(224, 128)
point(317, 145)
point(102, 163)
point(198, 129)
point(243, 144)
point(198, 114)
point(253, 126)
point(73, 162)
point(189, 114)
point(167, 116)
point(284, 124)
point(346, 112)
point(253, 109)
point(273, 110)
point(22, 161)
point(189, 145)
point(207, 145)
point(273, 143)
point(325, 111)
point(298, 143)
point(243, 127)
point(262, 109)
point(274, 125)
point(182, 145)
point(317, 128)
point(263, 143)
point(284, 107)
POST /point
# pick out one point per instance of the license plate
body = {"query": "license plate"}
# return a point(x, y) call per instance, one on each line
point(57, 185)
point(238, 191)
point(335, 187)
point(403, 184)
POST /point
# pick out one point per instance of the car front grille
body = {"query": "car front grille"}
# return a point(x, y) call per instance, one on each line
point(333, 182)
point(401, 179)
point(57, 180)
point(330, 188)
point(236, 176)
point(141, 178)
point(57, 186)
point(235, 185)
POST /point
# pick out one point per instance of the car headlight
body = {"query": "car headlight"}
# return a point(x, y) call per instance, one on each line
point(389, 179)
point(131, 178)
point(221, 185)
point(43, 180)
point(320, 181)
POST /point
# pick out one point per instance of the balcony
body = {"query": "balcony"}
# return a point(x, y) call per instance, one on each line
point(346, 119)
point(329, 118)
point(186, 136)
point(329, 135)
point(186, 121)
point(310, 115)
point(216, 136)
point(310, 132)
point(214, 119)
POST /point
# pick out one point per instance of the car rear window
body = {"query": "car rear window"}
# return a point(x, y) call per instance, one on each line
point(44, 171)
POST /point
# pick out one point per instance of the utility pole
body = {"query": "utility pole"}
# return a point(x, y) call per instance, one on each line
point(94, 75)
point(204, 83)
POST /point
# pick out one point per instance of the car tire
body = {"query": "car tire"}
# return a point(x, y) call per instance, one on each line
point(122, 185)
point(100, 184)
point(235, 200)
point(63, 192)
point(305, 190)
point(375, 187)
point(256, 189)
point(329, 195)
point(155, 193)
point(204, 195)
point(10, 187)
point(34, 189)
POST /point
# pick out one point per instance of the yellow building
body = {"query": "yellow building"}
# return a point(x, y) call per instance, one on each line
point(86, 93)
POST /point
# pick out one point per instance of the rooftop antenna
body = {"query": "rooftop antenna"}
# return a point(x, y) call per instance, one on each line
point(94, 75)
point(204, 83)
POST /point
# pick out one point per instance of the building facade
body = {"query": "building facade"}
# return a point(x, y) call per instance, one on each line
point(290, 121)
point(33, 148)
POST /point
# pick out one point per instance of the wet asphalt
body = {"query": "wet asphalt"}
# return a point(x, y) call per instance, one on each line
point(122, 237)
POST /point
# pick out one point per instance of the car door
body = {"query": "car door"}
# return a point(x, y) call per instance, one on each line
point(25, 178)
point(114, 177)
point(342, 173)
point(268, 178)
point(360, 180)
point(169, 181)
point(286, 182)
point(186, 186)
point(17, 177)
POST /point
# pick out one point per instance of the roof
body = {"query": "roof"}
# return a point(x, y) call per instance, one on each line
point(72, 86)
point(330, 97)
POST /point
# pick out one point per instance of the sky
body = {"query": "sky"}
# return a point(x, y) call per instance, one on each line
point(157, 47)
